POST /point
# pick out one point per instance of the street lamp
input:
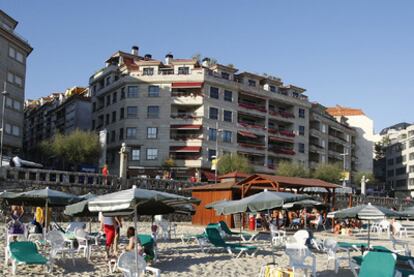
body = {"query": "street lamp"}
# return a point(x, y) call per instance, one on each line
point(344, 167)
point(4, 93)
point(216, 156)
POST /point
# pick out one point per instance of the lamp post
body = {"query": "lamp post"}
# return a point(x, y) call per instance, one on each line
point(216, 156)
point(344, 167)
point(4, 93)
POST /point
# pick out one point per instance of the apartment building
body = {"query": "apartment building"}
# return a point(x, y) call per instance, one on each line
point(399, 156)
point(191, 111)
point(365, 137)
point(14, 51)
point(331, 141)
point(57, 113)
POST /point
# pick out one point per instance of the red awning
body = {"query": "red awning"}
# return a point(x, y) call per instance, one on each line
point(186, 127)
point(186, 149)
point(279, 139)
point(187, 85)
point(247, 134)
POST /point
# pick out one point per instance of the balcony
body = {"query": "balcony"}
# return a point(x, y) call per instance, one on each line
point(194, 162)
point(187, 140)
point(249, 106)
point(186, 118)
point(250, 125)
point(252, 145)
point(187, 100)
point(282, 150)
point(287, 133)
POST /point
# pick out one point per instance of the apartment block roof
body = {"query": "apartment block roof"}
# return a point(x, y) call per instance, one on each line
point(344, 111)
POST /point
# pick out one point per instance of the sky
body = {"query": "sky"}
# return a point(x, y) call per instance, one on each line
point(353, 53)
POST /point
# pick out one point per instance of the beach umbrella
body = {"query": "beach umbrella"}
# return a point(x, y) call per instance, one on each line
point(364, 212)
point(138, 201)
point(44, 197)
point(408, 212)
point(306, 203)
point(262, 201)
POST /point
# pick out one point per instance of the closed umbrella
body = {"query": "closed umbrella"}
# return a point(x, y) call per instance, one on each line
point(364, 212)
point(140, 201)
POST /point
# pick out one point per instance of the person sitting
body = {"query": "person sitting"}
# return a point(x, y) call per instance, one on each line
point(338, 227)
point(132, 239)
point(316, 221)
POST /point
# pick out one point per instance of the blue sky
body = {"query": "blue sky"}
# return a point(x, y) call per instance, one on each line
point(354, 53)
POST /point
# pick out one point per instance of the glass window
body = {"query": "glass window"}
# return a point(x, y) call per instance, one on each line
point(8, 128)
point(301, 148)
point(153, 91)
point(272, 88)
point(16, 131)
point(184, 70)
point(19, 57)
point(390, 161)
point(411, 143)
point(153, 112)
point(121, 113)
point(214, 92)
point(132, 91)
point(131, 133)
point(136, 154)
point(213, 113)
point(323, 128)
point(152, 132)
point(148, 71)
point(227, 136)
point(113, 136)
point(301, 130)
point(228, 96)
point(212, 134)
point(113, 116)
point(9, 102)
point(12, 52)
point(411, 170)
point(18, 80)
point(107, 119)
point(211, 154)
point(152, 153)
point(225, 75)
point(122, 93)
point(108, 100)
point(302, 113)
point(227, 116)
point(398, 160)
point(114, 97)
point(132, 111)
point(411, 156)
point(252, 83)
point(10, 77)
point(121, 133)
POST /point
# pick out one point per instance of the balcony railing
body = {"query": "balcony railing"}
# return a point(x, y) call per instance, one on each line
point(252, 145)
point(250, 125)
point(185, 116)
point(283, 150)
point(253, 107)
point(186, 137)
point(287, 133)
point(185, 94)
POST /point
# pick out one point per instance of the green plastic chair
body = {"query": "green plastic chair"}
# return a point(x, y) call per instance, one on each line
point(148, 243)
point(25, 252)
point(215, 239)
point(378, 264)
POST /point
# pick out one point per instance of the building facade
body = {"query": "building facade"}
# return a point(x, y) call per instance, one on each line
point(399, 159)
point(331, 141)
point(14, 51)
point(191, 111)
point(57, 113)
point(365, 137)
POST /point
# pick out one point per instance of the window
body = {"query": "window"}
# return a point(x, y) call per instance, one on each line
point(19, 57)
point(131, 133)
point(114, 97)
point(295, 94)
point(152, 153)
point(12, 52)
point(301, 130)
point(227, 136)
point(411, 169)
point(272, 88)
point(401, 183)
point(211, 154)
point(400, 171)
point(10, 77)
point(107, 119)
point(132, 91)
point(213, 113)
point(113, 116)
point(121, 113)
point(323, 128)
point(122, 93)
point(411, 143)
point(9, 102)
point(390, 162)
point(107, 80)
point(15, 54)
point(323, 143)
point(228, 96)
point(16, 131)
point(301, 113)
point(152, 132)
point(132, 111)
point(301, 148)
point(148, 71)
point(398, 160)
point(14, 79)
point(212, 134)
point(411, 156)
point(8, 128)
point(183, 70)
point(214, 92)
point(225, 75)
point(113, 134)
point(94, 107)
point(251, 83)
point(93, 124)
point(390, 173)
point(411, 133)
point(121, 133)
point(136, 154)
point(108, 100)
point(153, 91)
point(227, 116)
point(153, 112)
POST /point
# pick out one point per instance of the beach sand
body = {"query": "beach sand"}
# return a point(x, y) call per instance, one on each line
point(186, 259)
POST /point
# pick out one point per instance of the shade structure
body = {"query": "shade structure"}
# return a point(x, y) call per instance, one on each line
point(302, 204)
point(365, 212)
point(265, 200)
point(408, 212)
point(41, 197)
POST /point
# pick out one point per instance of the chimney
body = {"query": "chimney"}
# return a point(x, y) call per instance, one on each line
point(134, 50)
point(168, 58)
point(147, 57)
point(206, 62)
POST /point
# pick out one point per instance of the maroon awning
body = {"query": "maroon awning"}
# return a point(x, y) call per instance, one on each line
point(187, 85)
point(185, 149)
point(279, 139)
point(186, 126)
point(247, 134)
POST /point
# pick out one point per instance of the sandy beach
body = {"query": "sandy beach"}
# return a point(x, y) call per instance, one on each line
point(186, 259)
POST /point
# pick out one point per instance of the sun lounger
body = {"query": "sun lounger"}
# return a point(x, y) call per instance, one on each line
point(24, 252)
point(215, 239)
point(370, 262)
point(244, 236)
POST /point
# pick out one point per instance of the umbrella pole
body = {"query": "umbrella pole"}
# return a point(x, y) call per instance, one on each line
point(136, 238)
point(46, 219)
point(369, 231)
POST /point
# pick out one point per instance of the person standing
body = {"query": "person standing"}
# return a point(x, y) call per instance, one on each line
point(118, 226)
point(108, 226)
point(105, 173)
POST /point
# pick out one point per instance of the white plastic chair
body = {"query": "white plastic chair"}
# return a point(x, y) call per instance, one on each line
point(75, 225)
point(126, 264)
point(399, 229)
point(384, 226)
point(278, 236)
point(298, 240)
point(330, 247)
point(83, 242)
point(58, 246)
point(164, 228)
point(297, 260)
point(405, 246)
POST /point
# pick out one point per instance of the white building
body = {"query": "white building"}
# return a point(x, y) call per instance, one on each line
point(365, 137)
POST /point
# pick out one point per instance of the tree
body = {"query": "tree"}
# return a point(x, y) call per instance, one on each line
point(76, 148)
point(381, 147)
point(328, 172)
point(291, 169)
point(229, 163)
